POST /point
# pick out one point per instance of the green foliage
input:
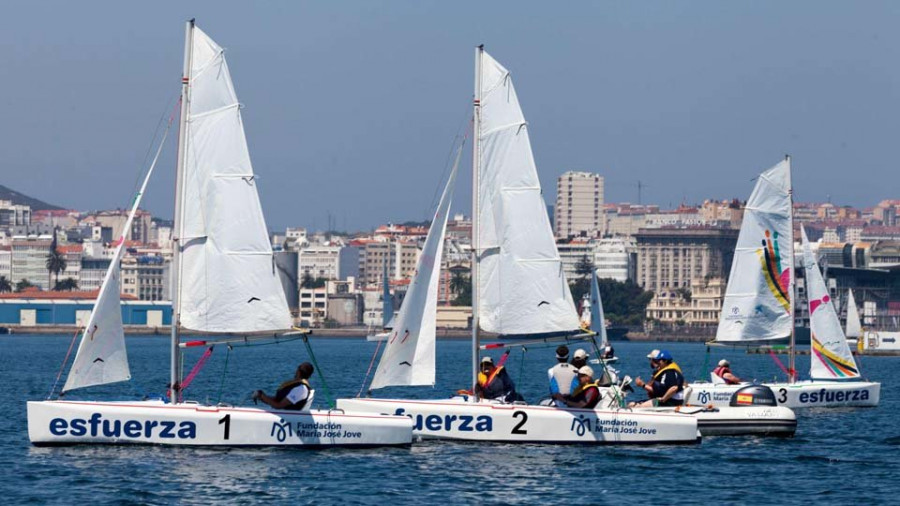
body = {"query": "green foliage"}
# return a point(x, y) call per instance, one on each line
point(5, 285)
point(684, 293)
point(67, 285)
point(309, 282)
point(56, 261)
point(584, 267)
point(22, 285)
point(623, 303)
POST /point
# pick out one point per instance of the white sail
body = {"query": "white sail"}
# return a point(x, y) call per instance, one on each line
point(101, 357)
point(409, 357)
point(227, 276)
point(521, 285)
point(830, 357)
point(854, 327)
point(757, 303)
point(598, 320)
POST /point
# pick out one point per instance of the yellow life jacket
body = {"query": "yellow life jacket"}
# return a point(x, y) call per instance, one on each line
point(295, 383)
point(581, 388)
point(672, 366)
point(485, 380)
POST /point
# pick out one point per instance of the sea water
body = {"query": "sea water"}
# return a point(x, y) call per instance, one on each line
point(837, 456)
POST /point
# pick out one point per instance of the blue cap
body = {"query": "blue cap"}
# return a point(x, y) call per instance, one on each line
point(664, 355)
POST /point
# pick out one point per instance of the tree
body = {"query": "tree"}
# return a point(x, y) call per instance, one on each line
point(582, 284)
point(5, 285)
point(56, 261)
point(585, 267)
point(684, 293)
point(22, 285)
point(307, 281)
point(459, 282)
point(623, 303)
point(66, 285)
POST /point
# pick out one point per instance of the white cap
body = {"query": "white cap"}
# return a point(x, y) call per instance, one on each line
point(724, 363)
point(653, 355)
point(487, 360)
point(579, 353)
point(586, 370)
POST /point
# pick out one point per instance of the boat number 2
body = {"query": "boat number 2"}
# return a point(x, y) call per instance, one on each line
point(783, 393)
point(518, 428)
point(226, 421)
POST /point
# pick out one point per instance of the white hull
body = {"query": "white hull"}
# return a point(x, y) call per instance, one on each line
point(512, 423)
point(739, 421)
point(156, 422)
point(803, 394)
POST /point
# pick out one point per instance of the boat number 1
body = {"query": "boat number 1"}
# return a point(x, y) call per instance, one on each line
point(226, 421)
point(518, 428)
point(783, 398)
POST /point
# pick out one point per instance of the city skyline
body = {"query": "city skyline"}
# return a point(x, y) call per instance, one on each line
point(629, 92)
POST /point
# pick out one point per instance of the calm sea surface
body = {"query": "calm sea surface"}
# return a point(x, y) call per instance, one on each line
point(838, 456)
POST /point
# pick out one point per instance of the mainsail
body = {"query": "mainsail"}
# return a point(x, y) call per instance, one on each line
point(521, 285)
point(830, 357)
point(409, 357)
point(227, 279)
point(598, 321)
point(757, 303)
point(854, 327)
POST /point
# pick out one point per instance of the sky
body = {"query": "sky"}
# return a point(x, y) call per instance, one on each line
point(351, 108)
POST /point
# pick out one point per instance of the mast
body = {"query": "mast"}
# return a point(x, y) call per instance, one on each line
point(476, 168)
point(792, 359)
point(175, 362)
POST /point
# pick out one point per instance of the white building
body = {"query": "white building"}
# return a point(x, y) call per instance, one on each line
point(93, 269)
point(614, 258)
point(319, 261)
point(29, 260)
point(579, 205)
point(6, 262)
point(572, 253)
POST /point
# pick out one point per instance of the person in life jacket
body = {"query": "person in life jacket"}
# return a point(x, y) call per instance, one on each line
point(494, 383)
point(292, 394)
point(667, 386)
point(724, 371)
point(563, 376)
point(586, 395)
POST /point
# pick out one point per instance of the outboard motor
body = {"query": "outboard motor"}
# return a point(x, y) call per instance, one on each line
point(753, 395)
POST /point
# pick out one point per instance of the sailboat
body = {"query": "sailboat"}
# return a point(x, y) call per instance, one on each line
point(224, 283)
point(853, 328)
point(387, 307)
point(597, 320)
point(519, 292)
point(759, 307)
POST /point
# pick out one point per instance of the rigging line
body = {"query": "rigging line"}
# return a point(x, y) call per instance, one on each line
point(224, 373)
point(464, 126)
point(162, 119)
point(369, 370)
point(312, 357)
point(194, 371)
point(62, 367)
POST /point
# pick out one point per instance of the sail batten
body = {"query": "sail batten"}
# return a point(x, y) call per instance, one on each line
point(758, 300)
point(409, 357)
point(227, 276)
point(521, 286)
point(830, 356)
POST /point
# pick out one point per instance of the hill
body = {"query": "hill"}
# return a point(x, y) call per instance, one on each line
point(18, 198)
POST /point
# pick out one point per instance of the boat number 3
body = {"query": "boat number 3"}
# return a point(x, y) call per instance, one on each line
point(783, 395)
point(226, 421)
point(518, 428)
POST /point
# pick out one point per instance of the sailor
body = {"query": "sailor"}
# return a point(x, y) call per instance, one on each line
point(494, 383)
point(724, 371)
point(608, 352)
point(580, 358)
point(292, 394)
point(563, 376)
point(667, 386)
point(586, 395)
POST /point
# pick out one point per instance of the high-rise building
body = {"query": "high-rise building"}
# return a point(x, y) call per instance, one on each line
point(29, 260)
point(671, 258)
point(579, 205)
